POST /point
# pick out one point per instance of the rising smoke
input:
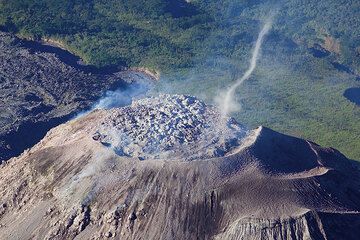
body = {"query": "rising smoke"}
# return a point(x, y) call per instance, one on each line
point(123, 97)
point(85, 185)
point(225, 100)
point(120, 97)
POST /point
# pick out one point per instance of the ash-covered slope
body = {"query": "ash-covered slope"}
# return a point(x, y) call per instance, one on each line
point(81, 182)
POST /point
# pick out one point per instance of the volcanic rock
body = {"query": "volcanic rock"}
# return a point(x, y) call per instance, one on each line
point(39, 91)
point(265, 186)
point(169, 126)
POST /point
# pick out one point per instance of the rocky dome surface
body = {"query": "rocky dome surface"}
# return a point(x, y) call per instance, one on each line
point(169, 126)
point(269, 186)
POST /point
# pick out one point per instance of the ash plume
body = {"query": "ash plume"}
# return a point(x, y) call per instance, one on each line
point(226, 100)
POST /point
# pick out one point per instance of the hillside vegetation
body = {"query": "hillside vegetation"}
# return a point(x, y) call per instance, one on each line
point(310, 58)
point(169, 33)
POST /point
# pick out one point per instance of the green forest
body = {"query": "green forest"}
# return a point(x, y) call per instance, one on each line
point(167, 34)
point(310, 58)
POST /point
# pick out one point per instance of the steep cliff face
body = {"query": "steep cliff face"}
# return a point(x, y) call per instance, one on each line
point(71, 185)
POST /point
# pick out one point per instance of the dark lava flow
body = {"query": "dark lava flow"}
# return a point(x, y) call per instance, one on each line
point(30, 133)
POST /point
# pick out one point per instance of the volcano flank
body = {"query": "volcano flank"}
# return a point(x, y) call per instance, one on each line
point(171, 167)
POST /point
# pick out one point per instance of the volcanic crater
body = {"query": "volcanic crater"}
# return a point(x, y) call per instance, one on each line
point(137, 172)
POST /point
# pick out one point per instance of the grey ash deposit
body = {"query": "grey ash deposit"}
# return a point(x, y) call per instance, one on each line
point(169, 126)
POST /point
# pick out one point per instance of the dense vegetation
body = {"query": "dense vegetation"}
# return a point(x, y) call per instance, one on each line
point(169, 33)
point(310, 58)
point(153, 33)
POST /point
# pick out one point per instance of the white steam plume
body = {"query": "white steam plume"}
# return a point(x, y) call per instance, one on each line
point(120, 97)
point(226, 101)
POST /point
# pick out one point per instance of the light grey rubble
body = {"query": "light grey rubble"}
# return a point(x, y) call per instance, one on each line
point(183, 126)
